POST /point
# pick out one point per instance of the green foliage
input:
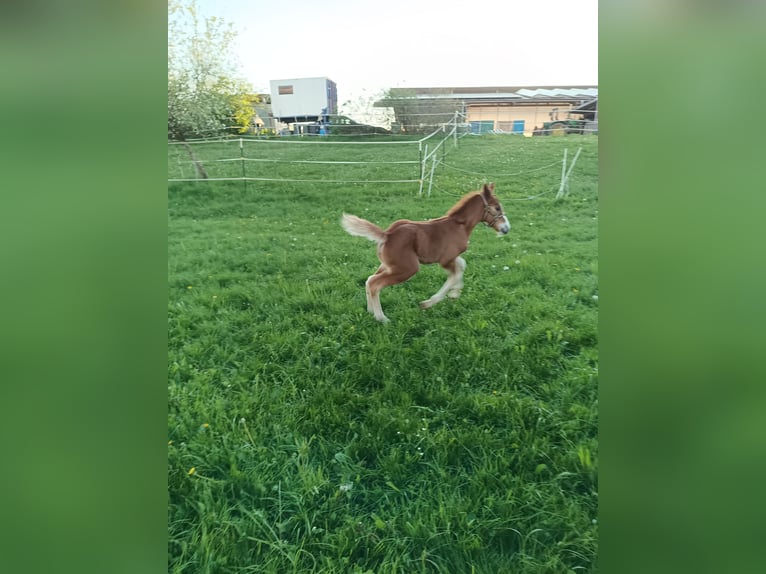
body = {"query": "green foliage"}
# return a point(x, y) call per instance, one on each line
point(461, 438)
point(419, 116)
point(204, 94)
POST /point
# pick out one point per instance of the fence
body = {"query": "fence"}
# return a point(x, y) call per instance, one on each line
point(378, 159)
point(314, 160)
point(545, 171)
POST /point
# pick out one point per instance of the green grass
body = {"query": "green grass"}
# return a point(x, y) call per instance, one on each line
point(462, 438)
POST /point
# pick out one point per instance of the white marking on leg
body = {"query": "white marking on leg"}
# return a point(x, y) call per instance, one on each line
point(367, 290)
point(454, 291)
point(438, 296)
point(373, 302)
point(378, 309)
point(454, 282)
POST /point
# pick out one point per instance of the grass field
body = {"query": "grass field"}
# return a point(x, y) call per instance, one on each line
point(306, 437)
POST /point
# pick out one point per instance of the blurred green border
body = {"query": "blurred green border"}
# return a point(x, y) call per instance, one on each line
point(84, 287)
point(682, 280)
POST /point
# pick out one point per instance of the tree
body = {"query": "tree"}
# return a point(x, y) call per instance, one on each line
point(363, 109)
point(420, 115)
point(205, 95)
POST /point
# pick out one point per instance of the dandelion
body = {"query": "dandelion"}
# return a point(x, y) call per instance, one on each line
point(170, 442)
point(518, 262)
point(205, 425)
point(575, 290)
point(346, 486)
point(192, 470)
point(505, 268)
point(189, 287)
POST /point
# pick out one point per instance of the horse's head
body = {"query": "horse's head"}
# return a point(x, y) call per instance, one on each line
point(493, 215)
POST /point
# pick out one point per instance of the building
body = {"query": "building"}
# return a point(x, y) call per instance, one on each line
point(303, 101)
point(517, 110)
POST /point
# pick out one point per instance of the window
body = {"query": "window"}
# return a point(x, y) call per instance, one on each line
point(285, 90)
point(482, 126)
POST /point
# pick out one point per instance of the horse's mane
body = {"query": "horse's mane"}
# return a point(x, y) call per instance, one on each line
point(462, 202)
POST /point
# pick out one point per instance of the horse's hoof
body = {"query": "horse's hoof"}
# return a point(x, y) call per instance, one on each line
point(453, 294)
point(426, 304)
point(383, 319)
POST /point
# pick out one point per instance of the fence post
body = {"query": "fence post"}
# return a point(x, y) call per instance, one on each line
point(563, 175)
point(454, 130)
point(431, 178)
point(564, 187)
point(423, 160)
point(242, 158)
point(571, 166)
point(420, 155)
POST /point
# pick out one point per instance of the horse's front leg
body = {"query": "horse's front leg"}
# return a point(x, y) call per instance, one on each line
point(451, 286)
point(454, 291)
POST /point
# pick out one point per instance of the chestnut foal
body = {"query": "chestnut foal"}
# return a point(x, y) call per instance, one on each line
point(406, 244)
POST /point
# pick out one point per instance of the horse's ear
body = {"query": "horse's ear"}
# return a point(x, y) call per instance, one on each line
point(488, 189)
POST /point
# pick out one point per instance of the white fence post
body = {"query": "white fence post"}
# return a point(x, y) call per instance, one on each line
point(564, 187)
point(431, 178)
point(242, 156)
point(423, 161)
point(563, 174)
point(571, 167)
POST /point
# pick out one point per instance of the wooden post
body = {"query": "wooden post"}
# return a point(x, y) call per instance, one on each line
point(201, 173)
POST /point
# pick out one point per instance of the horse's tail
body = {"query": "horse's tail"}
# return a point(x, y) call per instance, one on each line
point(362, 228)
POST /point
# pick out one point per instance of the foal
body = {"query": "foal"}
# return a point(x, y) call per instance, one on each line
point(406, 244)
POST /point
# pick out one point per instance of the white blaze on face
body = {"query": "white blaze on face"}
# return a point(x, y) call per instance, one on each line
point(504, 227)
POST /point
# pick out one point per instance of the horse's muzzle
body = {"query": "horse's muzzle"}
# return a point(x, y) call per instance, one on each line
point(504, 226)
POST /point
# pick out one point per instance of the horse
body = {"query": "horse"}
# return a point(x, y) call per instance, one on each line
point(406, 244)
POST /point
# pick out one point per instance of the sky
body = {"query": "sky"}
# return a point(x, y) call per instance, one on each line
point(366, 47)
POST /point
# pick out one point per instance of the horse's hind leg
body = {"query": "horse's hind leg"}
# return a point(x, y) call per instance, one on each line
point(384, 277)
point(370, 297)
point(451, 286)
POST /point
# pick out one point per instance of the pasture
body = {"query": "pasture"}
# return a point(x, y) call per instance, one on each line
point(306, 437)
